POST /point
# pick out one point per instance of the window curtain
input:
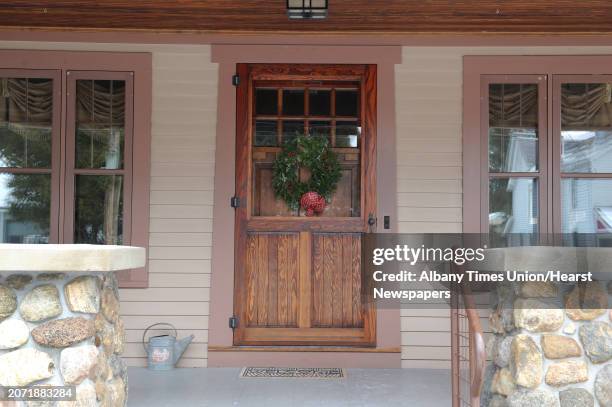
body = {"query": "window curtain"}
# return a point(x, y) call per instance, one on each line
point(583, 106)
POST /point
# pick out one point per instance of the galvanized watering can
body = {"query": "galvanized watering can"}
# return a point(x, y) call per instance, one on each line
point(164, 351)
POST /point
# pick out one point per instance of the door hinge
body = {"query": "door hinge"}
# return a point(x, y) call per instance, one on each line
point(236, 80)
point(235, 202)
point(233, 322)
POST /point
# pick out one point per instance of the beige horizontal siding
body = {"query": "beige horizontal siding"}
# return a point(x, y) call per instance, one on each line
point(429, 151)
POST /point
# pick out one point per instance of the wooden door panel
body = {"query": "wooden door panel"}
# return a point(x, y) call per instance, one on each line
point(336, 281)
point(297, 278)
point(271, 279)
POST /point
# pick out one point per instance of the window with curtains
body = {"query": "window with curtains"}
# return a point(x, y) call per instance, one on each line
point(547, 164)
point(65, 179)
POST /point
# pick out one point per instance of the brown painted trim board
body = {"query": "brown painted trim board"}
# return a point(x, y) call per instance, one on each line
point(388, 321)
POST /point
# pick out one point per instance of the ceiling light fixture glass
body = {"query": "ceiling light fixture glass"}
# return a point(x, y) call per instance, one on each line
point(307, 9)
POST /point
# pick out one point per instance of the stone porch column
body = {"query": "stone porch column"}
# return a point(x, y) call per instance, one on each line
point(59, 319)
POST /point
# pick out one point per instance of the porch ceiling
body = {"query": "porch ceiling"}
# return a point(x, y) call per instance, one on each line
point(358, 16)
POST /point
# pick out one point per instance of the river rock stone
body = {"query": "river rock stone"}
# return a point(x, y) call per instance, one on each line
point(502, 319)
point(497, 401)
point(105, 334)
point(569, 328)
point(116, 392)
point(586, 302)
point(503, 383)
point(501, 355)
point(83, 294)
point(102, 393)
point(596, 338)
point(101, 371)
point(76, 363)
point(567, 372)
point(526, 362)
point(63, 332)
point(18, 281)
point(538, 289)
point(85, 395)
point(603, 386)
point(487, 393)
point(25, 366)
point(50, 276)
point(559, 347)
point(118, 366)
point(13, 333)
point(576, 398)
point(8, 302)
point(41, 303)
point(537, 316)
point(119, 337)
point(110, 305)
point(532, 398)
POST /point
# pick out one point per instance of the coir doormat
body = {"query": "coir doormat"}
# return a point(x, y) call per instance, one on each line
point(297, 372)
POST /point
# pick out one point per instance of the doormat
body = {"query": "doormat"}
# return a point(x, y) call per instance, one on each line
point(296, 372)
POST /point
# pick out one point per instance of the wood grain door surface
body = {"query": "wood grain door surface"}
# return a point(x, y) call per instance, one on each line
point(298, 279)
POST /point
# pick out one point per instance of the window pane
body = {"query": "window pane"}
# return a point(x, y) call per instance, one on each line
point(513, 205)
point(293, 102)
point(347, 134)
point(586, 205)
point(25, 208)
point(347, 103)
point(26, 113)
point(266, 102)
point(513, 128)
point(100, 126)
point(320, 129)
point(98, 215)
point(266, 133)
point(586, 127)
point(291, 129)
point(319, 102)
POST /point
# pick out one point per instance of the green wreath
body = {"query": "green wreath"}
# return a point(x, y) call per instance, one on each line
point(310, 152)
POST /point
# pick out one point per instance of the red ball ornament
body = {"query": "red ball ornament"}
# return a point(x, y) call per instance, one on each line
point(313, 203)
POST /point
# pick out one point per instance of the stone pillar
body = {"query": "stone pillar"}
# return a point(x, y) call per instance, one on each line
point(551, 346)
point(59, 319)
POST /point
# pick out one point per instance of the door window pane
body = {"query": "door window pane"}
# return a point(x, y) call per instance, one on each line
point(266, 133)
point(513, 205)
point(26, 115)
point(513, 128)
point(586, 127)
point(25, 208)
point(266, 102)
point(586, 205)
point(347, 134)
point(320, 129)
point(347, 103)
point(291, 129)
point(319, 102)
point(98, 217)
point(100, 123)
point(293, 102)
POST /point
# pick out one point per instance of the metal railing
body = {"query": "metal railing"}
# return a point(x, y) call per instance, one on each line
point(468, 354)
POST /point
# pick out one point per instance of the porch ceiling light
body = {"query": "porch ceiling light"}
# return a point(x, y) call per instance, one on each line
point(307, 9)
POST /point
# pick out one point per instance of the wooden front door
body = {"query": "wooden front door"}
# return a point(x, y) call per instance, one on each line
point(298, 278)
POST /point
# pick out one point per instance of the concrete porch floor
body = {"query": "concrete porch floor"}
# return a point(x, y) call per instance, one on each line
point(223, 387)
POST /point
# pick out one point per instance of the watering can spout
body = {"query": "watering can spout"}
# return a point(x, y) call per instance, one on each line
point(180, 346)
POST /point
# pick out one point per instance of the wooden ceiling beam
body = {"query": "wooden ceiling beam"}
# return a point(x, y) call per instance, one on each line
point(345, 16)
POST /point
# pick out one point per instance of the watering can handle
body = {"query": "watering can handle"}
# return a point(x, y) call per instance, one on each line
point(144, 335)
